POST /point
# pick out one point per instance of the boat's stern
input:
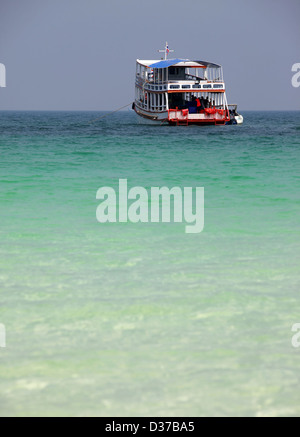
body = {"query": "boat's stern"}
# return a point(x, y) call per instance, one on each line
point(207, 116)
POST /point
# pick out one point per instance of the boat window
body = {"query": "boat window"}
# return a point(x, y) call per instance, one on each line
point(206, 86)
point(186, 86)
point(173, 87)
point(197, 86)
point(218, 86)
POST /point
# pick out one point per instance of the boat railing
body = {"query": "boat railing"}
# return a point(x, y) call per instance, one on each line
point(188, 78)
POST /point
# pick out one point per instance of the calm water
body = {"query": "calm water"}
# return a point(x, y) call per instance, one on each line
point(143, 319)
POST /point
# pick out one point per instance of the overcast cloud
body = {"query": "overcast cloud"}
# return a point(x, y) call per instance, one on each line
point(80, 55)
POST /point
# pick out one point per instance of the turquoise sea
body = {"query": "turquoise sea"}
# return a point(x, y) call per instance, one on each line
point(142, 319)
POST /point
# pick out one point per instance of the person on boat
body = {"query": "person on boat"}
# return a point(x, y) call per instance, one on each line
point(198, 104)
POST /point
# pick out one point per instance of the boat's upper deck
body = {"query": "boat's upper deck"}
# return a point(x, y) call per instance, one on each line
point(177, 62)
point(179, 75)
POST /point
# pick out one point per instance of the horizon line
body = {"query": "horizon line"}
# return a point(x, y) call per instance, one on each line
point(126, 110)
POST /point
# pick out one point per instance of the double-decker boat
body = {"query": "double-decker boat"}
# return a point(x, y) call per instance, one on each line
point(182, 92)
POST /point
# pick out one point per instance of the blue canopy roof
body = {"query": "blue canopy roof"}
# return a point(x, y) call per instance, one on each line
point(166, 63)
point(169, 62)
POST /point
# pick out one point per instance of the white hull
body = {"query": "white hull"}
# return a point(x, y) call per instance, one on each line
point(151, 117)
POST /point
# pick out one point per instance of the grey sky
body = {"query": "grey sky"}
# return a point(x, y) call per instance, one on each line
point(80, 54)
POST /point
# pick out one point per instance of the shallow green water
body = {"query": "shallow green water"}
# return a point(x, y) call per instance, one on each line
point(143, 319)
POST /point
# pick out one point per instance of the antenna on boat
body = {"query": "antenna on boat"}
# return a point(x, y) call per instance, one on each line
point(166, 50)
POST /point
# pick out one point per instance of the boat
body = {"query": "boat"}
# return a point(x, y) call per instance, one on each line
point(182, 92)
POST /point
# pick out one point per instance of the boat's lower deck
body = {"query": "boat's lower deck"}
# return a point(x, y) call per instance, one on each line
point(208, 116)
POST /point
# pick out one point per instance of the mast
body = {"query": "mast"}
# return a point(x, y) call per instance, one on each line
point(166, 50)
